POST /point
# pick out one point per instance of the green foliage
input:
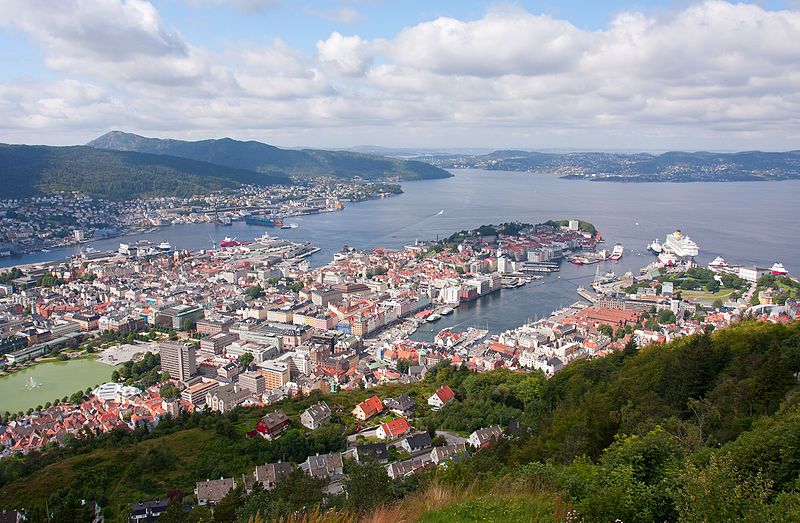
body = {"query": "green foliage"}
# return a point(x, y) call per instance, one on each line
point(143, 373)
point(170, 391)
point(255, 291)
point(245, 360)
point(367, 485)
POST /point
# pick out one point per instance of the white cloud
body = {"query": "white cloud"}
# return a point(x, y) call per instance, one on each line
point(712, 73)
point(348, 55)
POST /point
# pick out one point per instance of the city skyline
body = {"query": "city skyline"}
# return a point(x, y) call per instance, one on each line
point(625, 76)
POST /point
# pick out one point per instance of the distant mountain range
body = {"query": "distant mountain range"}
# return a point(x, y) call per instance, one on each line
point(639, 167)
point(260, 157)
point(120, 165)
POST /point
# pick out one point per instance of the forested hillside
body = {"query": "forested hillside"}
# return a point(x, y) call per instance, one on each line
point(29, 170)
point(706, 428)
point(257, 156)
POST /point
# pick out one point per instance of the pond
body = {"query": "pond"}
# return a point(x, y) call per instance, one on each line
point(50, 380)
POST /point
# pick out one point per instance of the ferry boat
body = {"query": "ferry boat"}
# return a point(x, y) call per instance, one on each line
point(718, 264)
point(617, 252)
point(289, 226)
point(655, 247)
point(446, 311)
point(433, 317)
point(778, 269)
point(164, 246)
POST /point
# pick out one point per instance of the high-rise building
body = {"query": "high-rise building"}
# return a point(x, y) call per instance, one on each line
point(276, 373)
point(178, 359)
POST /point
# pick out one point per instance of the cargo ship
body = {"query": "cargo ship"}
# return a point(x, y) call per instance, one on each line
point(265, 221)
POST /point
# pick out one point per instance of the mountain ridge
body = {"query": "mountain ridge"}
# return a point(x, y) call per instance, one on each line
point(669, 166)
point(32, 170)
point(260, 157)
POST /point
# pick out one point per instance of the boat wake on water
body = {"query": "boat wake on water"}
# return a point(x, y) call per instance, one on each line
point(393, 234)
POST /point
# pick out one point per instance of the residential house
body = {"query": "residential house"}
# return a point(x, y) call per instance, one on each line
point(314, 416)
point(368, 408)
point(269, 475)
point(482, 437)
point(271, 425)
point(147, 511)
point(372, 451)
point(402, 405)
point(401, 469)
point(226, 398)
point(325, 465)
point(441, 397)
point(417, 442)
point(211, 491)
point(393, 429)
point(448, 452)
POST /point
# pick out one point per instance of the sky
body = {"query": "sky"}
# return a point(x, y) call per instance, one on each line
point(610, 75)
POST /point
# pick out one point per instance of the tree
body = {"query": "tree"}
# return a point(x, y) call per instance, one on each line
point(299, 491)
point(169, 391)
point(225, 510)
point(255, 291)
point(606, 329)
point(245, 360)
point(402, 366)
point(367, 486)
point(717, 304)
point(666, 316)
point(630, 348)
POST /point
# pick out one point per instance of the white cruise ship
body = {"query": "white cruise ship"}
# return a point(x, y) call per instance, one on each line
point(680, 245)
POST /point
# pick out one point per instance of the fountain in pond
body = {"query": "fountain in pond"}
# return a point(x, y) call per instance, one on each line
point(32, 383)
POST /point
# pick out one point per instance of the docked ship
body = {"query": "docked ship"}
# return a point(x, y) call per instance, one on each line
point(778, 269)
point(680, 245)
point(655, 247)
point(263, 220)
point(617, 252)
point(718, 264)
point(289, 226)
point(164, 246)
point(446, 311)
point(229, 242)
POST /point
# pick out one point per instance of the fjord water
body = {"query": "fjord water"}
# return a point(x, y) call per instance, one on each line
point(746, 222)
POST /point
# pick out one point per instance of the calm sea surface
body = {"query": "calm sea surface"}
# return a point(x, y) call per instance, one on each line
point(754, 223)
